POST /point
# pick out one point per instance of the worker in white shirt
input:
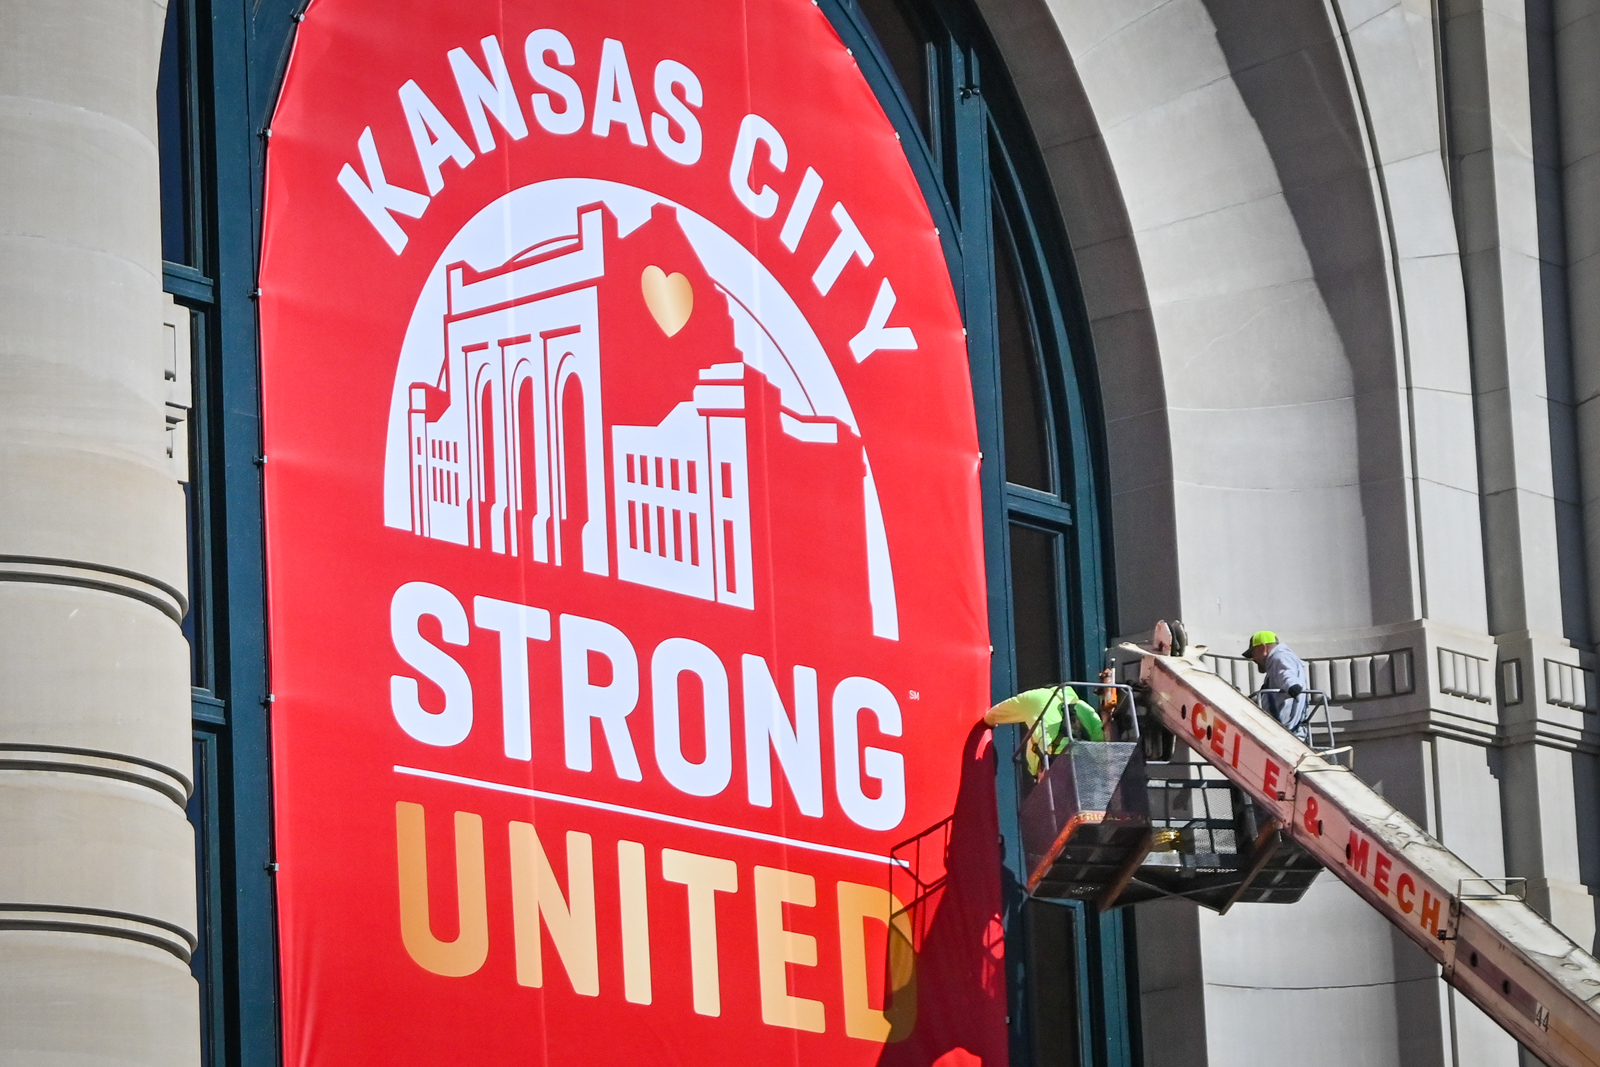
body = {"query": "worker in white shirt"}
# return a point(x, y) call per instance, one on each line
point(1284, 694)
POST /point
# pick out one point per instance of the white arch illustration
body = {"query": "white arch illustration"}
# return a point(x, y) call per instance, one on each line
point(769, 329)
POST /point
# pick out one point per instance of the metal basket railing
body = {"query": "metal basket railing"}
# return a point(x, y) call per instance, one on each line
point(1124, 722)
point(918, 873)
point(1332, 751)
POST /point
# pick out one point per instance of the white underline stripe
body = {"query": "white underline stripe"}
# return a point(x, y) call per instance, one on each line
point(754, 835)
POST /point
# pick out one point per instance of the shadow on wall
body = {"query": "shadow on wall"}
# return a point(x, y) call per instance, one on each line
point(1290, 72)
point(957, 985)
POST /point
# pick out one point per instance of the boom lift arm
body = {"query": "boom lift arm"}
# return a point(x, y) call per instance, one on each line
point(1501, 954)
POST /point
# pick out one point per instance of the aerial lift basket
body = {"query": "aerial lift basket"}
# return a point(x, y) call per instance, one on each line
point(1085, 818)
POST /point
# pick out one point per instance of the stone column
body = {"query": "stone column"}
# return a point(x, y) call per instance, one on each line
point(1524, 448)
point(1577, 33)
point(1575, 27)
point(97, 884)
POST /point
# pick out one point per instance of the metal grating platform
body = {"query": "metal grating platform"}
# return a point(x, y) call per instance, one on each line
point(1211, 846)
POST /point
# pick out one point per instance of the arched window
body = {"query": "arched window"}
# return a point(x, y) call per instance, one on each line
point(941, 82)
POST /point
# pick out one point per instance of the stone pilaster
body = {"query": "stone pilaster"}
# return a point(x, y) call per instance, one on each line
point(97, 910)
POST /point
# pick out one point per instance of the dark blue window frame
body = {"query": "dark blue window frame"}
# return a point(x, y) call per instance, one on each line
point(221, 63)
point(1072, 985)
point(1073, 995)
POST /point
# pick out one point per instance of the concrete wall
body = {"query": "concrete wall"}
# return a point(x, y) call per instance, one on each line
point(1340, 263)
point(97, 910)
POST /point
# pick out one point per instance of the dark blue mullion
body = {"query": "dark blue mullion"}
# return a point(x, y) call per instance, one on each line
point(200, 624)
point(1055, 289)
point(1022, 501)
point(1027, 267)
point(976, 283)
point(847, 22)
point(940, 114)
point(1106, 988)
point(1110, 974)
point(1109, 993)
point(1098, 1016)
point(1068, 382)
point(212, 957)
point(963, 120)
point(1119, 991)
point(1091, 1028)
point(969, 124)
point(198, 121)
point(188, 284)
point(1127, 921)
point(969, 127)
point(192, 287)
point(252, 994)
point(183, 192)
point(205, 708)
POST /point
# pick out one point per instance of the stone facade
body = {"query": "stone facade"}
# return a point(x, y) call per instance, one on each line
point(1341, 262)
point(1339, 258)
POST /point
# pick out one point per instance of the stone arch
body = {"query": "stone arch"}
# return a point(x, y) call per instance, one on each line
point(1255, 199)
point(1213, 173)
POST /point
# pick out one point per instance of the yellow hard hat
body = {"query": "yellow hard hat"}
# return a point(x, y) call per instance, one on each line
point(1261, 637)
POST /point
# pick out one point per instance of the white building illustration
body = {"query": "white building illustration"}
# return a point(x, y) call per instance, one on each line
point(682, 491)
point(499, 390)
point(491, 470)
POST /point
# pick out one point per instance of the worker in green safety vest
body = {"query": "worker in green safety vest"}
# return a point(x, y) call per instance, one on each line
point(1048, 708)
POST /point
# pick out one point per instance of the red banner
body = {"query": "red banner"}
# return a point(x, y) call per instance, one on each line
point(625, 575)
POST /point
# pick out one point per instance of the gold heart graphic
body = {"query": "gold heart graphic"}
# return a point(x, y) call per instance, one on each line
point(669, 297)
